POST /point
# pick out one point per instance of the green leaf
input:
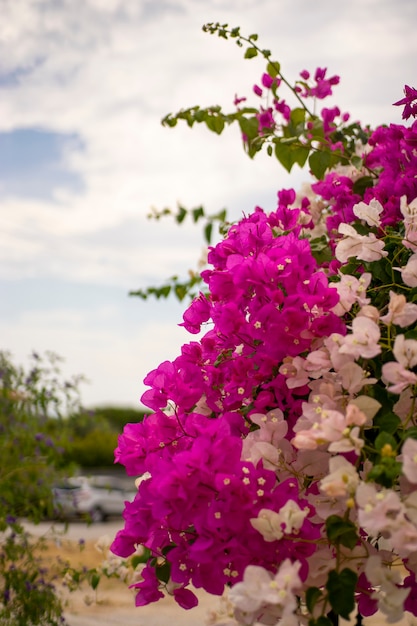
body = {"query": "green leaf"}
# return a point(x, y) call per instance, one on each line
point(312, 595)
point(340, 531)
point(94, 580)
point(362, 184)
point(197, 213)
point(249, 127)
point(180, 291)
point(385, 439)
point(300, 154)
point(387, 422)
point(385, 472)
point(298, 116)
point(284, 155)
point(410, 432)
point(181, 215)
point(381, 271)
point(320, 249)
point(221, 215)
point(289, 152)
point(215, 123)
point(208, 229)
point(411, 334)
point(273, 68)
point(251, 53)
point(169, 121)
point(357, 161)
point(163, 572)
point(269, 150)
point(341, 590)
point(319, 161)
point(164, 291)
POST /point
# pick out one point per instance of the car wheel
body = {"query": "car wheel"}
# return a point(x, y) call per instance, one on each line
point(97, 515)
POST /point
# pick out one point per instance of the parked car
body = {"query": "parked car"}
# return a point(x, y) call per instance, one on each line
point(96, 498)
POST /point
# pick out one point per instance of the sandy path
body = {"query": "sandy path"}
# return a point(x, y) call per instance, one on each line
point(110, 613)
point(115, 605)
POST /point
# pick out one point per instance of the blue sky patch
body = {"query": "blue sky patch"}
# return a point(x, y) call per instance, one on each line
point(32, 163)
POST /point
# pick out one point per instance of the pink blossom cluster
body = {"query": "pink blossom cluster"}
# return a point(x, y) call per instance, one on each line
point(282, 447)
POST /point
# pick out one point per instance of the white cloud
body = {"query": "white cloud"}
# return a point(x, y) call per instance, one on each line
point(115, 363)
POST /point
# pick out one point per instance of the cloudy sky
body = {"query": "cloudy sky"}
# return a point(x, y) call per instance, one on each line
point(83, 156)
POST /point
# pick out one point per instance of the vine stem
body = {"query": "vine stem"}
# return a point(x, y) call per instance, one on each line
point(265, 53)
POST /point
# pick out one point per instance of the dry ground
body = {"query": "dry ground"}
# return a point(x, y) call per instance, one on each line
point(113, 602)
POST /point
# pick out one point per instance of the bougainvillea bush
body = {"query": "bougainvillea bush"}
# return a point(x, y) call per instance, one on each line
point(281, 454)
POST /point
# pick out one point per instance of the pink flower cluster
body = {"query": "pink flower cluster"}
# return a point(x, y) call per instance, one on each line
point(294, 412)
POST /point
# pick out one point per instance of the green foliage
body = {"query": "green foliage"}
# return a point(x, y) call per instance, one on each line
point(185, 287)
point(180, 288)
point(89, 438)
point(341, 591)
point(29, 598)
point(301, 139)
point(29, 402)
point(313, 594)
point(341, 532)
point(117, 417)
point(95, 449)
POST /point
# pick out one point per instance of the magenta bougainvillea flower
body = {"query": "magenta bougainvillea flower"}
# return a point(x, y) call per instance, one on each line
point(409, 101)
point(282, 441)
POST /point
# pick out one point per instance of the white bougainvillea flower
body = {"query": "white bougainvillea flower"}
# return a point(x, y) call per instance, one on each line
point(369, 212)
point(351, 290)
point(369, 406)
point(363, 247)
point(369, 311)
point(337, 358)
point(349, 442)
point(342, 480)
point(405, 351)
point(409, 271)
point(396, 374)
point(363, 341)
point(292, 516)
point(379, 511)
point(404, 538)
point(353, 377)
point(400, 312)
point(273, 525)
point(390, 597)
point(354, 416)
point(411, 507)
point(268, 523)
point(248, 595)
point(410, 237)
point(329, 427)
point(409, 211)
point(409, 459)
point(404, 404)
point(260, 587)
point(318, 363)
point(378, 574)
point(391, 602)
